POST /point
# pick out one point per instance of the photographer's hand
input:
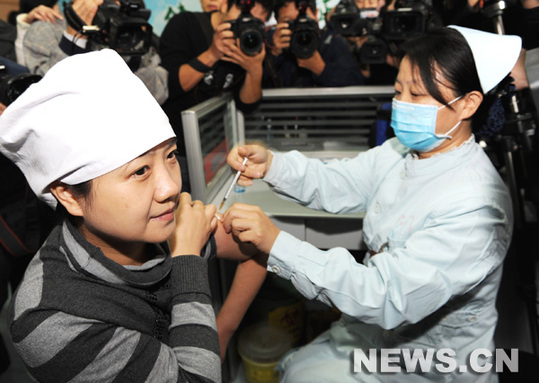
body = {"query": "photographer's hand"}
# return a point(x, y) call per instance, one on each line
point(281, 38)
point(251, 90)
point(43, 13)
point(315, 63)
point(223, 39)
point(251, 64)
point(86, 10)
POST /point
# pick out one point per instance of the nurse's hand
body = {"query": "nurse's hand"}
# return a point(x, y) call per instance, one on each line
point(194, 224)
point(258, 162)
point(249, 224)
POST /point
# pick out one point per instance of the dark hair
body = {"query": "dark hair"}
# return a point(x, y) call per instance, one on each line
point(266, 4)
point(278, 4)
point(81, 190)
point(446, 50)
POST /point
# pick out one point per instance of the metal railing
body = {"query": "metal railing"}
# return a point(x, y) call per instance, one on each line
point(318, 119)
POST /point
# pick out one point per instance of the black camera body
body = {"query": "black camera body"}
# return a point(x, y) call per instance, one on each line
point(409, 19)
point(347, 20)
point(305, 39)
point(249, 30)
point(123, 27)
point(12, 86)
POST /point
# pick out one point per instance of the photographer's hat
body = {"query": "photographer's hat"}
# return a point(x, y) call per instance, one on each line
point(495, 55)
point(88, 116)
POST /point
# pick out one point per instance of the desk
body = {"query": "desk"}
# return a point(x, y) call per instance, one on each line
point(321, 229)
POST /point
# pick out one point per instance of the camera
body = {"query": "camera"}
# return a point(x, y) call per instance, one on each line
point(409, 19)
point(248, 29)
point(12, 86)
point(305, 38)
point(122, 26)
point(348, 21)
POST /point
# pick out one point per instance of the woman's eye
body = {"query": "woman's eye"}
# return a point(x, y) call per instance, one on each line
point(173, 154)
point(141, 171)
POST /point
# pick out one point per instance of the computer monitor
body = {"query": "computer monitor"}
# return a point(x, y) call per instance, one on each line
point(210, 130)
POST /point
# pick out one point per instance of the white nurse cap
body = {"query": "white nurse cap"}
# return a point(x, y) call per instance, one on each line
point(495, 55)
point(86, 117)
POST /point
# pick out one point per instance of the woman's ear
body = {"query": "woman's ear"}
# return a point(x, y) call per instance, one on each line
point(64, 196)
point(472, 100)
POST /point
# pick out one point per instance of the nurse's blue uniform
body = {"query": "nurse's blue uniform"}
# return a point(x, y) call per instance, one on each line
point(440, 228)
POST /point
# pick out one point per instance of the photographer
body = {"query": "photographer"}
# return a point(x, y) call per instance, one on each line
point(366, 13)
point(329, 64)
point(47, 43)
point(32, 11)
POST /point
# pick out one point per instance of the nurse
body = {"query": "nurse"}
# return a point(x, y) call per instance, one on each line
point(106, 298)
point(438, 223)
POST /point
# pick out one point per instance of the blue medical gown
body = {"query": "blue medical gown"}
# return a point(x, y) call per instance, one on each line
point(441, 228)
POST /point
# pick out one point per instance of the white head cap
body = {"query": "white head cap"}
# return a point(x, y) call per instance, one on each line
point(88, 116)
point(495, 55)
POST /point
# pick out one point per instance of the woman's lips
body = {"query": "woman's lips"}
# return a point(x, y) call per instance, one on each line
point(166, 216)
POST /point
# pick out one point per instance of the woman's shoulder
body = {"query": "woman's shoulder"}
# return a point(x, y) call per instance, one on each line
point(390, 151)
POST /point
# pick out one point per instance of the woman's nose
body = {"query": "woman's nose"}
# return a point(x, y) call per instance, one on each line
point(168, 184)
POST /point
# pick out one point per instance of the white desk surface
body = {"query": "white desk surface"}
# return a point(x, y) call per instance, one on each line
point(274, 206)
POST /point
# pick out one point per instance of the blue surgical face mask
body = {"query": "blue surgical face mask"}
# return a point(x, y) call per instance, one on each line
point(415, 125)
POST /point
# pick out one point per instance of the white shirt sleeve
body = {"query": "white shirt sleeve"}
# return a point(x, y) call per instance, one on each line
point(22, 27)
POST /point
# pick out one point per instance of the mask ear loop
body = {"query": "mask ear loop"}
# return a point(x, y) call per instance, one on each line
point(450, 102)
point(446, 134)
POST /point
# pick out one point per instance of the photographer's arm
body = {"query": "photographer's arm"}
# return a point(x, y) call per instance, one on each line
point(190, 76)
point(280, 39)
point(339, 66)
point(251, 90)
point(86, 10)
point(315, 63)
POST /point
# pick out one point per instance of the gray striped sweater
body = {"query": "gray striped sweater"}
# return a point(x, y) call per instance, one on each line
point(80, 317)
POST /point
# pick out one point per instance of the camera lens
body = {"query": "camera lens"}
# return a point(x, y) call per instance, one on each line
point(304, 43)
point(251, 41)
point(304, 39)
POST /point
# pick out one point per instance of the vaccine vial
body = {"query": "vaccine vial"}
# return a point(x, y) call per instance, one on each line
point(239, 188)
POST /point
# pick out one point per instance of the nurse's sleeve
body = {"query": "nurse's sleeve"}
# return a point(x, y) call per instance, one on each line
point(339, 186)
point(449, 256)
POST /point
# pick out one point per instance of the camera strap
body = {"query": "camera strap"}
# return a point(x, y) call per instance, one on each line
point(75, 22)
point(274, 73)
